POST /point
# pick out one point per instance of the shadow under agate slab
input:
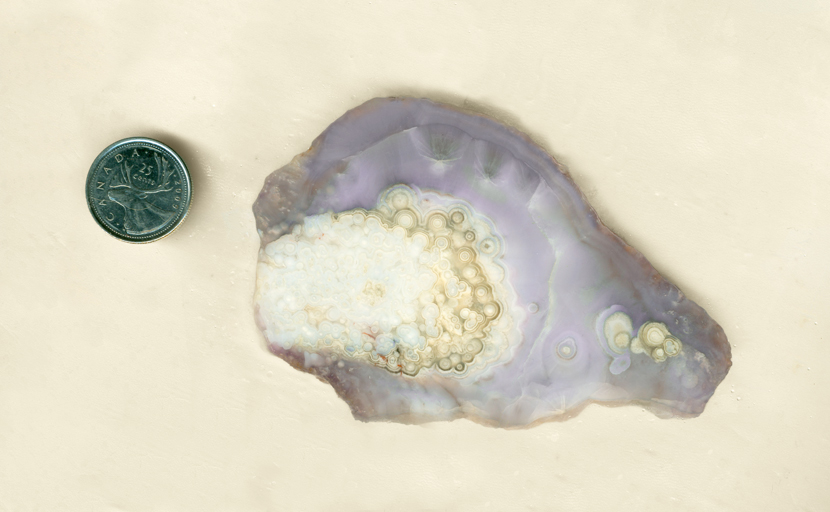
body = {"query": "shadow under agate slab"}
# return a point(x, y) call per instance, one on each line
point(569, 314)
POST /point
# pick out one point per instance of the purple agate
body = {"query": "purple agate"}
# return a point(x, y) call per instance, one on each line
point(587, 319)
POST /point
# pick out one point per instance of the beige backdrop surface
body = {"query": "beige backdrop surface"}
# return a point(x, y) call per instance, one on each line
point(133, 378)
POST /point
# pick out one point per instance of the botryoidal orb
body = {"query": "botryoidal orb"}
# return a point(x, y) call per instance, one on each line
point(433, 264)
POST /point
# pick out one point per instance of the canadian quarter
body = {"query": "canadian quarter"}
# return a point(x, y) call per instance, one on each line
point(138, 190)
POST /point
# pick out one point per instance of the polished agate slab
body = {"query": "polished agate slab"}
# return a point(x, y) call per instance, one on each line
point(432, 264)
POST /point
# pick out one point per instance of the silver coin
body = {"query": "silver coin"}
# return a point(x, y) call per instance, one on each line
point(138, 190)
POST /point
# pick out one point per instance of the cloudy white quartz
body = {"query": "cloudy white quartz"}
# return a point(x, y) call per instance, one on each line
point(414, 284)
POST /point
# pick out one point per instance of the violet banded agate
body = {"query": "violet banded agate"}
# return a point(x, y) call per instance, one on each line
point(432, 264)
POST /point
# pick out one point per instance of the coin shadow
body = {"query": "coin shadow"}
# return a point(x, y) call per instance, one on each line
point(188, 152)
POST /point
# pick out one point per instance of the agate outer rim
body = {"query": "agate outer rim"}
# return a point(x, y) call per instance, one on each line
point(521, 392)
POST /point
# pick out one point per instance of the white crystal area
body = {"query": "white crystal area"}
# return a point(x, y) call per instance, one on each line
point(414, 284)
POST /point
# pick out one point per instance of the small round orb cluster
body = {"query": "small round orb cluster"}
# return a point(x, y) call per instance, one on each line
point(652, 339)
point(416, 283)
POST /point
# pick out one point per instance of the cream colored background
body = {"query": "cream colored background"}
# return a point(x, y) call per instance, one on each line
point(132, 378)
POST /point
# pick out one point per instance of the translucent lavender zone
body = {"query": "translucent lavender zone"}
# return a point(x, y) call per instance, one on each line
point(388, 313)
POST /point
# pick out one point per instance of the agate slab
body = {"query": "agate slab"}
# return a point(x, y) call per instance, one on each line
point(433, 264)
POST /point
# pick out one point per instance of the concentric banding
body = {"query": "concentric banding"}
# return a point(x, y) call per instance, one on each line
point(566, 349)
point(652, 338)
point(652, 334)
point(617, 330)
point(408, 286)
point(672, 346)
